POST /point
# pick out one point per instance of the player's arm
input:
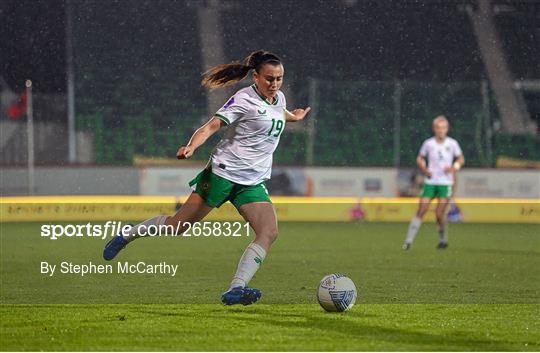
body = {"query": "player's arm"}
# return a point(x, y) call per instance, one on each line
point(199, 137)
point(297, 114)
point(460, 161)
point(421, 162)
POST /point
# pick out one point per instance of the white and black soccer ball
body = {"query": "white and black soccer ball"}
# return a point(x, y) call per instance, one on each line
point(336, 292)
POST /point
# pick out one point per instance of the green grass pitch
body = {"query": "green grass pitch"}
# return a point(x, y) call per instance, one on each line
point(481, 294)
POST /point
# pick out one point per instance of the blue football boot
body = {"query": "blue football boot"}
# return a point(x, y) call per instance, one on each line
point(113, 247)
point(241, 295)
point(442, 245)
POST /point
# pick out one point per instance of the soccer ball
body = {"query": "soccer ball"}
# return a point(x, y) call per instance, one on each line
point(336, 292)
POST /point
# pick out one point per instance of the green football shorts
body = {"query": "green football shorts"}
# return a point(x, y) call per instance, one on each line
point(216, 190)
point(439, 191)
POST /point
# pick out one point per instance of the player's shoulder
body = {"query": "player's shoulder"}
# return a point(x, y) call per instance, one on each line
point(429, 141)
point(281, 98)
point(244, 93)
point(451, 140)
point(243, 98)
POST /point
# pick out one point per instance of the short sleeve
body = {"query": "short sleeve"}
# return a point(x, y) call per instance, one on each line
point(424, 150)
point(457, 149)
point(231, 111)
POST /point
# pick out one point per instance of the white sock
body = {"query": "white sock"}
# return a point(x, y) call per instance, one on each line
point(443, 233)
point(414, 226)
point(140, 229)
point(249, 263)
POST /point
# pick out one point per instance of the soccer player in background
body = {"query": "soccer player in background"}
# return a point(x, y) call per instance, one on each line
point(444, 158)
point(238, 167)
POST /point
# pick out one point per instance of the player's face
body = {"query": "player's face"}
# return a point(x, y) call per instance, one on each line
point(440, 129)
point(269, 79)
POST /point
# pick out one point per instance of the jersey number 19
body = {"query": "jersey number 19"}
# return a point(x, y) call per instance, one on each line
point(278, 127)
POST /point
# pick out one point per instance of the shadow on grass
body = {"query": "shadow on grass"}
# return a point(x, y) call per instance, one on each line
point(352, 327)
point(297, 327)
point(362, 332)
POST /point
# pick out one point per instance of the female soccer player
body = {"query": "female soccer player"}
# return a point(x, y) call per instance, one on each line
point(239, 165)
point(444, 159)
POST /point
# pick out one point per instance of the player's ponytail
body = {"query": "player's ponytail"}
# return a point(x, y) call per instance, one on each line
point(228, 74)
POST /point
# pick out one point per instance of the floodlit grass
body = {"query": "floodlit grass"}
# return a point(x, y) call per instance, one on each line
point(482, 293)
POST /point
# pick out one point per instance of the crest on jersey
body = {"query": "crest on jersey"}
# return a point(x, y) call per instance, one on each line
point(229, 103)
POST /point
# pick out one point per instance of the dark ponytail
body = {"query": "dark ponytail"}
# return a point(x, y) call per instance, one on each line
point(228, 74)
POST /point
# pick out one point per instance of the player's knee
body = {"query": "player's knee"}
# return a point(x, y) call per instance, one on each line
point(440, 216)
point(271, 235)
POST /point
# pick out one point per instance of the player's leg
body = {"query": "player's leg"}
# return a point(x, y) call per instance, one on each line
point(192, 211)
point(256, 208)
point(211, 191)
point(262, 218)
point(416, 222)
point(442, 221)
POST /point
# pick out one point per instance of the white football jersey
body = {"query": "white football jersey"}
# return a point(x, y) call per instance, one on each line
point(244, 154)
point(439, 157)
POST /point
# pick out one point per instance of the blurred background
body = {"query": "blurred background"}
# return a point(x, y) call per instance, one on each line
point(115, 90)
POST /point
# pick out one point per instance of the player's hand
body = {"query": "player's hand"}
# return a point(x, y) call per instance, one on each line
point(300, 114)
point(184, 152)
point(449, 170)
point(428, 173)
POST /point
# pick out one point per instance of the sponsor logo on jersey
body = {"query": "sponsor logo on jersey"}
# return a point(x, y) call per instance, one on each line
point(261, 112)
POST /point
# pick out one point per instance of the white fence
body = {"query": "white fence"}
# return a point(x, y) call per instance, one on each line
point(299, 181)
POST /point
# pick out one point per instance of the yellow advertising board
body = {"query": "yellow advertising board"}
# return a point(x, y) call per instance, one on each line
point(308, 209)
